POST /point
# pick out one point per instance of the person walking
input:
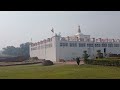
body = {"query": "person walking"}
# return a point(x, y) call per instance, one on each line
point(78, 60)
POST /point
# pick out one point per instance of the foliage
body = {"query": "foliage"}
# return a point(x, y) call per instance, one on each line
point(109, 58)
point(47, 63)
point(12, 59)
point(99, 54)
point(34, 58)
point(114, 55)
point(85, 55)
point(104, 62)
point(62, 60)
point(23, 50)
point(11, 50)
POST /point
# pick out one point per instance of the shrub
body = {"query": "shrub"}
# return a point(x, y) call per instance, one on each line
point(104, 62)
point(62, 60)
point(114, 55)
point(47, 63)
point(99, 54)
point(35, 58)
point(85, 55)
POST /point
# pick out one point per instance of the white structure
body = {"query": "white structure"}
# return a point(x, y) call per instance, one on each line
point(67, 48)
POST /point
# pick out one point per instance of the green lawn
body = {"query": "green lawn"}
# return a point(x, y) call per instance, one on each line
point(59, 72)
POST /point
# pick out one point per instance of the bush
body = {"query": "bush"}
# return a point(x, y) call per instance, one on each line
point(85, 55)
point(114, 55)
point(35, 58)
point(99, 54)
point(62, 60)
point(47, 63)
point(104, 62)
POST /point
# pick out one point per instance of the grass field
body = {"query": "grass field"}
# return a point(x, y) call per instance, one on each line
point(59, 72)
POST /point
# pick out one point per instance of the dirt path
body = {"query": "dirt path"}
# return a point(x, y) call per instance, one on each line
point(18, 63)
point(70, 62)
point(36, 62)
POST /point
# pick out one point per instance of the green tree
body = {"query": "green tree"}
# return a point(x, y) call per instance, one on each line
point(11, 50)
point(23, 50)
point(99, 54)
point(85, 55)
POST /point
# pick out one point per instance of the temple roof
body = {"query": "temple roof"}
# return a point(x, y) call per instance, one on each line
point(79, 31)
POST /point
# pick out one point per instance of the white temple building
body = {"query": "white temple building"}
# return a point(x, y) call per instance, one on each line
point(66, 48)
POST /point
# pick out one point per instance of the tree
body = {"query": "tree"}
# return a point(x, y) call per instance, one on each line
point(11, 50)
point(85, 55)
point(99, 54)
point(23, 50)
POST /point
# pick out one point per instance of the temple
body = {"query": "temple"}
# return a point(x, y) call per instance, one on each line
point(58, 48)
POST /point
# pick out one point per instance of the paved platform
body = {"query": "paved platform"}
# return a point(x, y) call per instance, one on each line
point(69, 62)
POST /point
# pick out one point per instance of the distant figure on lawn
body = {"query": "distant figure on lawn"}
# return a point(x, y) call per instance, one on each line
point(78, 60)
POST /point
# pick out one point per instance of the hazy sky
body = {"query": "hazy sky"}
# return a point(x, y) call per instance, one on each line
point(18, 27)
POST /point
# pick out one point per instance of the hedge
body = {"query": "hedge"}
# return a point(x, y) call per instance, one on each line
point(47, 63)
point(13, 59)
point(104, 62)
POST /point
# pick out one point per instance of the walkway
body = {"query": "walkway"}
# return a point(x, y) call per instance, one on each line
point(70, 62)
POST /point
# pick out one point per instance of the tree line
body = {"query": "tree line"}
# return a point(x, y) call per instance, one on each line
point(22, 50)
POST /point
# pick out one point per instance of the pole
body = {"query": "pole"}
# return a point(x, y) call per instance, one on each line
point(52, 34)
point(45, 54)
point(52, 31)
point(31, 40)
point(93, 48)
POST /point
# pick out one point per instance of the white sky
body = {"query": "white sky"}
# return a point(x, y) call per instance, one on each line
point(18, 27)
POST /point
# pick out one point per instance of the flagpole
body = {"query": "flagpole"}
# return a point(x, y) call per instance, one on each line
point(31, 40)
point(52, 32)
